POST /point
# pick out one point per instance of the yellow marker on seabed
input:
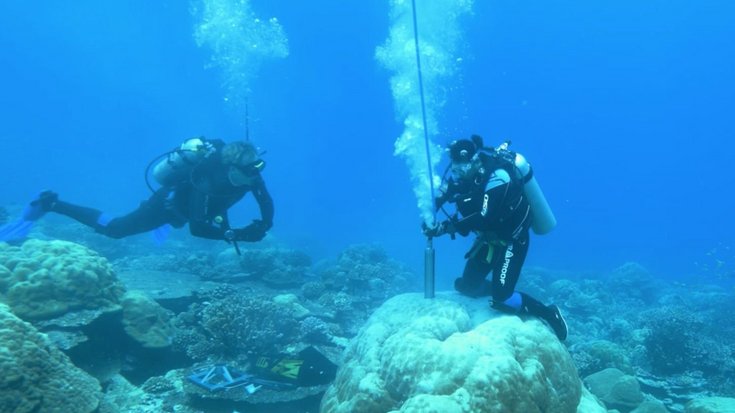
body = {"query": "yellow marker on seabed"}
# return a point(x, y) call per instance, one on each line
point(288, 368)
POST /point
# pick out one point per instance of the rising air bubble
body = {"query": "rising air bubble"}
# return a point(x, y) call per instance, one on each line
point(440, 37)
point(239, 42)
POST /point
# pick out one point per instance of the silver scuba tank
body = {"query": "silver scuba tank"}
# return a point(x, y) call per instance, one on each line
point(175, 166)
point(543, 218)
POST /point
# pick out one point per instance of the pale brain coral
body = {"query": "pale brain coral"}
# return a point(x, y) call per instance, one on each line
point(45, 279)
point(444, 355)
point(36, 376)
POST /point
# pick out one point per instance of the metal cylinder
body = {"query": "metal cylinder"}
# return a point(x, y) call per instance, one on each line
point(429, 260)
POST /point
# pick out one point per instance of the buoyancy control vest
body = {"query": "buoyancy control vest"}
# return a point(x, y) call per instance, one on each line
point(512, 214)
point(523, 191)
point(543, 220)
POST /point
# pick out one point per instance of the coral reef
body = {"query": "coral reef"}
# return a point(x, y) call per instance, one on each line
point(591, 357)
point(277, 267)
point(36, 376)
point(198, 263)
point(312, 290)
point(146, 322)
point(366, 271)
point(678, 341)
point(711, 405)
point(71, 329)
point(195, 344)
point(650, 406)
point(675, 391)
point(289, 303)
point(443, 355)
point(350, 288)
point(72, 231)
point(617, 389)
point(45, 279)
point(632, 281)
point(675, 336)
point(341, 303)
point(289, 268)
point(581, 297)
point(315, 330)
point(121, 396)
point(235, 326)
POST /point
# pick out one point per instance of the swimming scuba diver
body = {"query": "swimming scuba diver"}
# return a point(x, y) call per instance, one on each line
point(200, 181)
point(497, 198)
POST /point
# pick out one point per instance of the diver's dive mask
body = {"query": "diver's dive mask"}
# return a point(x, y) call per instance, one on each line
point(252, 168)
point(240, 175)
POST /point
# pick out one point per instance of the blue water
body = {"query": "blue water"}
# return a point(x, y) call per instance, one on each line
point(624, 108)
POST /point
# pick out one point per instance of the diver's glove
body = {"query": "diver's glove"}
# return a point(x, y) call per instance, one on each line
point(254, 232)
point(444, 227)
point(45, 202)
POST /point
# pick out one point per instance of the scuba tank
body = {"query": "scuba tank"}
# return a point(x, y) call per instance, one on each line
point(543, 220)
point(177, 164)
point(473, 149)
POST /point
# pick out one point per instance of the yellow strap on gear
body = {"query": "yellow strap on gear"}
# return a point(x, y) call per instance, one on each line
point(489, 255)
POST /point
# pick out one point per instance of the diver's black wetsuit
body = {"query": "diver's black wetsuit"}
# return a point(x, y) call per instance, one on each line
point(494, 206)
point(202, 200)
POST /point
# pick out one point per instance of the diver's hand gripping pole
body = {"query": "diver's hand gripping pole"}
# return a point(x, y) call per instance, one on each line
point(429, 260)
point(230, 238)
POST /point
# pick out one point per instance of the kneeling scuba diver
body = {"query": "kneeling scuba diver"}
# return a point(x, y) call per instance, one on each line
point(497, 197)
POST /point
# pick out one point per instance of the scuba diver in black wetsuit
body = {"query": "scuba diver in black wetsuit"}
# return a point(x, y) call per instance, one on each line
point(200, 181)
point(498, 198)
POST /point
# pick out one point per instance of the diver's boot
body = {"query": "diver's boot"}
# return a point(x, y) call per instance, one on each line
point(551, 314)
point(557, 322)
point(87, 216)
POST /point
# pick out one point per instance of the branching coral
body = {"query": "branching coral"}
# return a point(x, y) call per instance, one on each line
point(678, 341)
point(235, 326)
point(315, 330)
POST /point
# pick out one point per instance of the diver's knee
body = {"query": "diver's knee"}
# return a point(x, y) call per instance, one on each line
point(112, 234)
point(112, 231)
point(480, 289)
point(461, 286)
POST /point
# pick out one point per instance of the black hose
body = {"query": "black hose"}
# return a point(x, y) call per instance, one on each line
point(156, 159)
point(150, 165)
